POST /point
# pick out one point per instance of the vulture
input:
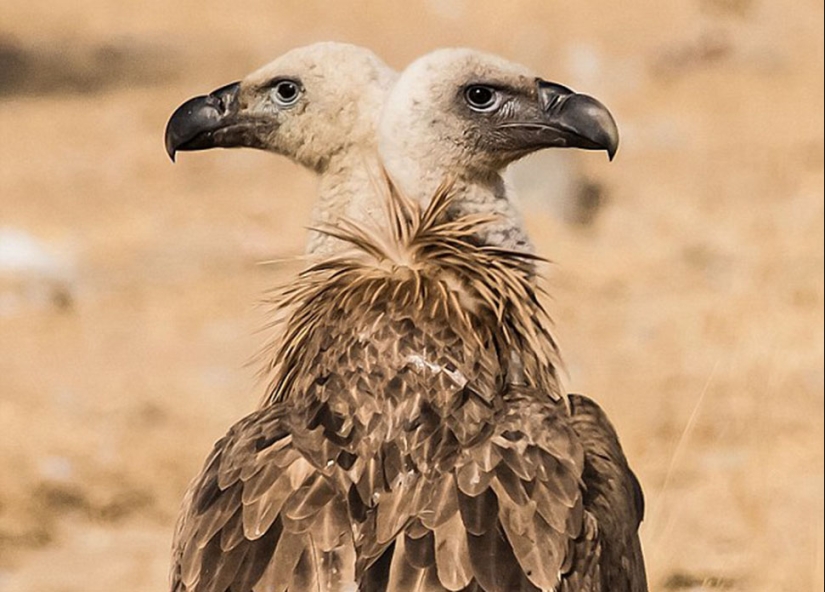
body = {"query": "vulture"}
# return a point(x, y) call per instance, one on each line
point(317, 105)
point(414, 436)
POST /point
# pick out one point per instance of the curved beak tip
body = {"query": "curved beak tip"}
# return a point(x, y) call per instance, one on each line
point(170, 150)
point(174, 136)
point(597, 124)
point(611, 143)
point(611, 148)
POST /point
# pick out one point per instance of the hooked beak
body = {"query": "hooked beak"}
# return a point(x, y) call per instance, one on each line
point(567, 119)
point(210, 121)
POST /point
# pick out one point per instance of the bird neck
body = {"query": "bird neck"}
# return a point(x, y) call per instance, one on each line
point(491, 196)
point(349, 188)
point(479, 194)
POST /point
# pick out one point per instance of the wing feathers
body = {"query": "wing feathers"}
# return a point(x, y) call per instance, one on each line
point(455, 569)
point(277, 524)
point(478, 513)
point(278, 574)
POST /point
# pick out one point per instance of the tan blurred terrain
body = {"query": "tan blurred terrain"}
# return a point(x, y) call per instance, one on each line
point(687, 281)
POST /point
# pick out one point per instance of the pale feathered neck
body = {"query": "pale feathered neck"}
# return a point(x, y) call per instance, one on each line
point(347, 190)
point(419, 178)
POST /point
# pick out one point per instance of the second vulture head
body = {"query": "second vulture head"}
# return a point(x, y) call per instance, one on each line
point(474, 113)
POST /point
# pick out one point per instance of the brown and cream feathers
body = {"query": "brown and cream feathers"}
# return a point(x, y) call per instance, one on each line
point(399, 446)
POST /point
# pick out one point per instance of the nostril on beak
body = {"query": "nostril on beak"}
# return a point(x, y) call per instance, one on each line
point(552, 95)
point(223, 98)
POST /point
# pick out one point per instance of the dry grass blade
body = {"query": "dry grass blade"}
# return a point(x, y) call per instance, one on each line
point(656, 517)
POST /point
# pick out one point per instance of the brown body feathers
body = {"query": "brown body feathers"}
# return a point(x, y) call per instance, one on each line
point(414, 437)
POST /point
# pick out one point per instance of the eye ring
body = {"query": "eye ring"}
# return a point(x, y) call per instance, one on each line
point(481, 97)
point(287, 92)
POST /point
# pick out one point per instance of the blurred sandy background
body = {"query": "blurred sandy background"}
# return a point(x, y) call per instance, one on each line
point(687, 284)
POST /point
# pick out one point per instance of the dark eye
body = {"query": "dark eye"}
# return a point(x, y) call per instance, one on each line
point(481, 98)
point(286, 92)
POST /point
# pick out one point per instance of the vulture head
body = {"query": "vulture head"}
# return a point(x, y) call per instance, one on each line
point(311, 105)
point(472, 114)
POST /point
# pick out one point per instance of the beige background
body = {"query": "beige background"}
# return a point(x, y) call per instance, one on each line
point(690, 303)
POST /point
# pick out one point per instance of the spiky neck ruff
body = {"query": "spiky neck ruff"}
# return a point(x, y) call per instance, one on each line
point(419, 310)
point(481, 192)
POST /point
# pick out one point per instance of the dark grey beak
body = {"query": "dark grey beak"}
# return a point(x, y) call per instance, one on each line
point(204, 122)
point(574, 120)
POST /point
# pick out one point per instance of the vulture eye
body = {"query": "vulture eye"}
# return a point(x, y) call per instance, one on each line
point(286, 92)
point(481, 98)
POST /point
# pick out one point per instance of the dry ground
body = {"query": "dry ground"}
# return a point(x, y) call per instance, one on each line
point(690, 305)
